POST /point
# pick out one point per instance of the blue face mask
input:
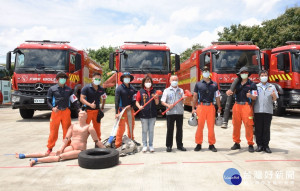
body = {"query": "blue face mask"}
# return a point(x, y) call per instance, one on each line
point(62, 80)
point(126, 80)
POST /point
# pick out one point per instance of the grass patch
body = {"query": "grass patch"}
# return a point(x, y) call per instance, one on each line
point(110, 99)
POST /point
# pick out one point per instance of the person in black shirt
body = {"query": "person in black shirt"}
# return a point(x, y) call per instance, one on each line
point(245, 92)
point(125, 96)
point(90, 97)
point(59, 99)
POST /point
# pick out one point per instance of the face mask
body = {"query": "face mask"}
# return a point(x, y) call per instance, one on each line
point(264, 79)
point(174, 83)
point(205, 74)
point(62, 80)
point(148, 85)
point(96, 81)
point(126, 80)
point(244, 76)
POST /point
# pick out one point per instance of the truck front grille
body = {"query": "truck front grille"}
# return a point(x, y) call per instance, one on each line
point(37, 89)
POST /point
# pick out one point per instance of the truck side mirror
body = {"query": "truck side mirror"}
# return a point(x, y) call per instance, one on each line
point(266, 61)
point(202, 61)
point(177, 62)
point(280, 61)
point(8, 60)
point(111, 61)
point(77, 62)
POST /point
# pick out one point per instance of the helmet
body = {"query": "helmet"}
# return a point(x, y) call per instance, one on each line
point(193, 120)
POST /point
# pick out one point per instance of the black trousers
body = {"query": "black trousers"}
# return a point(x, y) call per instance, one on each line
point(262, 122)
point(170, 130)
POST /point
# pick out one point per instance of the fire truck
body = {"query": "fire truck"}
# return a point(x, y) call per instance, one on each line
point(140, 58)
point(224, 59)
point(283, 65)
point(36, 66)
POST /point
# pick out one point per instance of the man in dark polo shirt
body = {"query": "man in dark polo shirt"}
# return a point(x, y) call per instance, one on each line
point(204, 94)
point(90, 96)
point(125, 96)
point(245, 92)
point(59, 99)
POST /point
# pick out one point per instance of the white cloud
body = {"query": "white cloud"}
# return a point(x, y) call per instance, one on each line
point(96, 23)
point(251, 22)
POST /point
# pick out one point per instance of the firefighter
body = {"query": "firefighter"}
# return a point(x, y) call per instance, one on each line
point(205, 92)
point(245, 92)
point(90, 97)
point(59, 99)
point(169, 97)
point(125, 96)
point(263, 111)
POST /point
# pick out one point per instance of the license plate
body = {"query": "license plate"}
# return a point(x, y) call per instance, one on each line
point(39, 101)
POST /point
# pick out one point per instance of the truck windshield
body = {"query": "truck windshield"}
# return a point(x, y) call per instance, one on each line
point(145, 61)
point(41, 59)
point(296, 63)
point(230, 61)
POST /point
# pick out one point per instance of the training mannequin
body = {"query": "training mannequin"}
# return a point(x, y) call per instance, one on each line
point(79, 132)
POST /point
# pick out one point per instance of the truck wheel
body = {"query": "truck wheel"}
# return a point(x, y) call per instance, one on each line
point(26, 113)
point(74, 113)
point(98, 158)
point(279, 108)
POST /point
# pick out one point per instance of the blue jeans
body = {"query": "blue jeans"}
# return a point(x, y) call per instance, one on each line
point(148, 128)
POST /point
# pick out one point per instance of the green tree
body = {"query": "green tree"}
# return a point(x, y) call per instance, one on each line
point(102, 56)
point(187, 53)
point(270, 34)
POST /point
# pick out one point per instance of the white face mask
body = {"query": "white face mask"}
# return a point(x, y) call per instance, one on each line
point(96, 82)
point(126, 80)
point(264, 79)
point(244, 76)
point(206, 74)
point(174, 84)
point(148, 85)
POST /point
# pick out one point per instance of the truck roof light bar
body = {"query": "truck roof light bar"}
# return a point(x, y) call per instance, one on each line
point(47, 41)
point(292, 42)
point(144, 42)
point(232, 43)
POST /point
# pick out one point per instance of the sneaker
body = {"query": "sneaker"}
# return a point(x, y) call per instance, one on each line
point(212, 148)
point(197, 148)
point(151, 149)
point(251, 148)
point(144, 149)
point(236, 146)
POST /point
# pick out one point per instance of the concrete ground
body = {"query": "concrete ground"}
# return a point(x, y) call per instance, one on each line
point(151, 171)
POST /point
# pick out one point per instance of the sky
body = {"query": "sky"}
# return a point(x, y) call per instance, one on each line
point(96, 23)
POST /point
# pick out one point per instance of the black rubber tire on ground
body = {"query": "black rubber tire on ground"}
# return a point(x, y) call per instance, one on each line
point(98, 158)
point(26, 113)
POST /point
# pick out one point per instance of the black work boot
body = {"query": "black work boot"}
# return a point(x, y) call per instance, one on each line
point(259, 148)
point(251, 148)
point(236, 146)
point(212, 148)
point(268, 150)
point(197, 148)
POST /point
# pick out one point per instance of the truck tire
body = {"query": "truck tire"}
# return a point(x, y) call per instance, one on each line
point(26, 113)
point(279, 109)
point(98, 158)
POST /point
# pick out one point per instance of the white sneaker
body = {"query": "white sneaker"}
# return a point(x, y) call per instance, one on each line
point(144, 149)
point(151, 149)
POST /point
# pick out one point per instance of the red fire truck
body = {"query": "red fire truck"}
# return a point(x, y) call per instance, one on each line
point(284, 73)
point(140, 58)
point(224, 59)
point(36, 66)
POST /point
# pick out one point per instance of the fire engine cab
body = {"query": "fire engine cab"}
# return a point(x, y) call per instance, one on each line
point(36, 66)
